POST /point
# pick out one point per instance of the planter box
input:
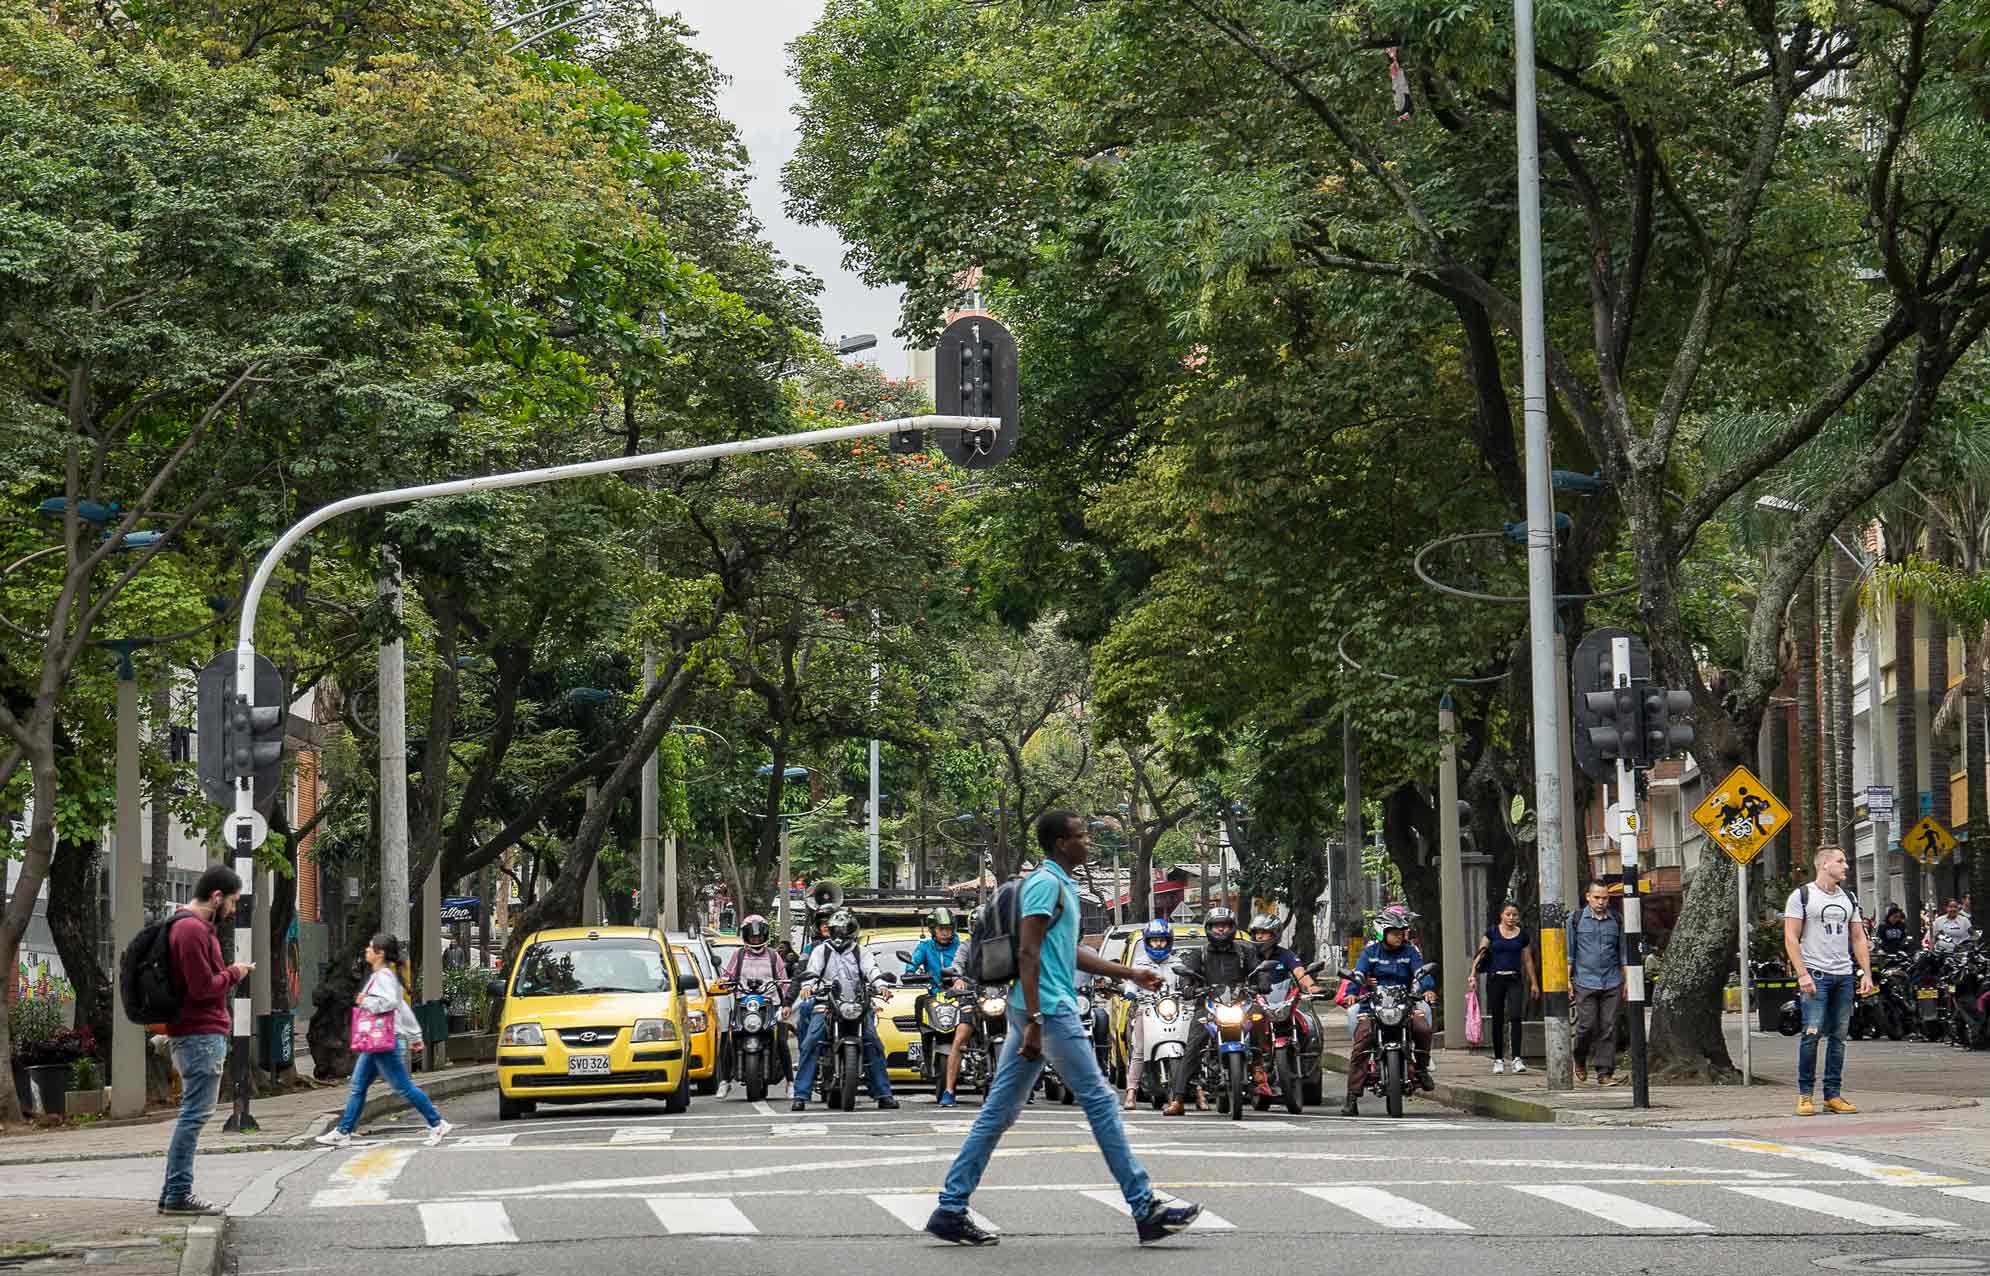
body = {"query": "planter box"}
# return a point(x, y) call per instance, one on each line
point(473, 1047)
point(86, 1102)
point(50, 1083)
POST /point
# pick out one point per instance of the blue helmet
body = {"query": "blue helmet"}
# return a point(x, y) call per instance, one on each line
point(1159, 936)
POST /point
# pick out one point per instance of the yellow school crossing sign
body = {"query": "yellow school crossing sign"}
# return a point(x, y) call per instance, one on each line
point(1927, 841)
point(1741, 815)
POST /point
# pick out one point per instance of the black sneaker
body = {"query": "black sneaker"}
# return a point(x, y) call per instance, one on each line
point(959, 1229)
point(188, 1204)
point(799, 1105)
point(1424, 1081)
point(1164, 1221)
point(1350, 1108)
point(887, 1104)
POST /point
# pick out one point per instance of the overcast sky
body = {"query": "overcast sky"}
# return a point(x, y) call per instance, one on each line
point(748, 38)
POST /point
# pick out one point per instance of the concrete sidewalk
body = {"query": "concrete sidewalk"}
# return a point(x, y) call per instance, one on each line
point(286, 1119)
point(1880, 1077)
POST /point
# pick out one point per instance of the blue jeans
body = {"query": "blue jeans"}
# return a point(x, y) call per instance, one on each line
point(815, 1029)
point(198, 1060)
point(393, 1066)
point(1068, 1048)
point(1827, 1012)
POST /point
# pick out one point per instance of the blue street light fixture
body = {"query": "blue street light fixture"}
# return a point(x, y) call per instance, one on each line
point(95, 513)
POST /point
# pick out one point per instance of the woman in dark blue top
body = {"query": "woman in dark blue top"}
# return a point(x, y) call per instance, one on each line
point(1507, 958)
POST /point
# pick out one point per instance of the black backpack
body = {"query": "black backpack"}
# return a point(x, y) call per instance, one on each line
point(146, 984)
point(998, 926)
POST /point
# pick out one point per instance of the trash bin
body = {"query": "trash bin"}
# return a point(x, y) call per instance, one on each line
point(1772, 987)
point(276, 1041)
point(433, 1016)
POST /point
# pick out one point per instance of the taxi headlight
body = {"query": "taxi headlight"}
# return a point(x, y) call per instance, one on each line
point(522, 1034)
point(994, 1005)
point(694, 1021)
point(1167, 1008)
point(1229, 1014)
point(653, 1030)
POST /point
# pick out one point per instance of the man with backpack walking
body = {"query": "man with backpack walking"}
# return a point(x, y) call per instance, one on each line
point(1036, 921)
point(1825, 942)
point(174, 970)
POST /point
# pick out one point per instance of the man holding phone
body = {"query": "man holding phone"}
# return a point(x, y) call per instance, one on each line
point(201, 1029)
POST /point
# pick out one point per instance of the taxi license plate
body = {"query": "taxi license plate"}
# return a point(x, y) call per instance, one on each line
point(1924, 994)
point(582, 1065)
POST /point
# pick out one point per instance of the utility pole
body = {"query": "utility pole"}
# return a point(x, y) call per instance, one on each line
point(646, 908)
point(127, 885)
point(1627, 847)
point(876, 687)
point(393, 699)
point(1347, 913)
point(590, 889)
point(1451, 876)
point(1549, 762)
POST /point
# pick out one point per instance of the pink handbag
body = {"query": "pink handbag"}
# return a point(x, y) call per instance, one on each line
point(371, 1033)
point(1475, 1030)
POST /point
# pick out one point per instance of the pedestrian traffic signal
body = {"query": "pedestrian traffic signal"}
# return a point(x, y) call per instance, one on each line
point(1662, 735)
point(974, 374)
point(237, 743)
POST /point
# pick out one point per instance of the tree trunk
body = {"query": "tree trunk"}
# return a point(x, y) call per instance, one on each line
point(1803, 614)
point(1782, 850)
point(1309, 878)
point(1941, 759)
point(1831, 825)
point(158, 881)
point(1978, 846)
point(75, 920)
point(1906, 753)
point(1843, 633)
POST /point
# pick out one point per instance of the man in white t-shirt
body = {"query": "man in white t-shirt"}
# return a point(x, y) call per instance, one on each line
point(1826, 944)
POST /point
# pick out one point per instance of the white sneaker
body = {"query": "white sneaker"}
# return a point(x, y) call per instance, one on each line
point(333, 1138)
point(1519, 1066)
point(1499, 1067)
point(437, 1131)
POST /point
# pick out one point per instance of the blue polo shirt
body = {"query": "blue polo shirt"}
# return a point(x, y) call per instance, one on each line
point(1057, 968)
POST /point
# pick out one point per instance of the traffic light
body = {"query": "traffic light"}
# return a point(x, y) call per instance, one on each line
point(1613, 729)
point(235, 742)
point(974, 373)
point(1661, 734)
point(1604, 729)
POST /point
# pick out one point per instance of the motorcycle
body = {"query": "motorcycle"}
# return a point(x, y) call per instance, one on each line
point(1229, 1024)
point(989, 1006)
point(1166, 1019)
point(843, 1045)
point(1968, 982)
point(756, 1014)
point(1931, 1008)
point(1896, 998)
point(1093, 1014)
point(1390, 1005)
point(941, 1019)
point(1285, 1037)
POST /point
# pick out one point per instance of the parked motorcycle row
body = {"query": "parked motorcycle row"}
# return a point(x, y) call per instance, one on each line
point(1936, 994)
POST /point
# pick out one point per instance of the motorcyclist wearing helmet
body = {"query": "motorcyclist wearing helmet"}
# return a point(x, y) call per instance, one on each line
point(756, 960)
point(1222, 961)
point(1264, 941)
point(843, 964)
point(937, 960)
point(1155, 951)
point(1393, 959)
point(816, 935)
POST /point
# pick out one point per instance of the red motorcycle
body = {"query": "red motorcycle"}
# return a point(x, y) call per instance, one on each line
point(1284, 1036)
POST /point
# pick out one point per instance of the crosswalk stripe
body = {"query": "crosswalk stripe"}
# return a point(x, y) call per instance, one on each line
point(1968, 1193)
point(1388, 1209)
point(701, 1215)
point(1611, 1208)
point(364, 1177)
point(798, 1129)
point(486, 1140)
point(914, 1210)
point(1804, 1198)
point(1207, 1222)
point(466, 1223)
point(642, 1134)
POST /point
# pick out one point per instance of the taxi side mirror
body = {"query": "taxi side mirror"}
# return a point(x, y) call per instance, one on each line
point(687, 983)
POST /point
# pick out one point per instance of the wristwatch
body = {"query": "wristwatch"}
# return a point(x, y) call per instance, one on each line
point(1036, 1018)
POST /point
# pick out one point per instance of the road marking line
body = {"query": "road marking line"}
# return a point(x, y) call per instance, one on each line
point(1804, 1198)
point(1611, 1208)
point(642, 1134)
point(709, 1176)
point(1899, 1175)
point(364, 1177)
point(487, 1140)
point(913, 1211)
point(1113, 1198)
point(467, 1223)
point(796, 1129)
point(1391, 1211)
point(1968, 1193)
point(760, 1106)
point(701, 1216)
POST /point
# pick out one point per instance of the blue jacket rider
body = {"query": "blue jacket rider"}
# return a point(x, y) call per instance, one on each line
point(1393, 959)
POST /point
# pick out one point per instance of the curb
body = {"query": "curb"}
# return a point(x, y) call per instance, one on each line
point(445, 1086)
point(207, 1244)
point(1472, 1099)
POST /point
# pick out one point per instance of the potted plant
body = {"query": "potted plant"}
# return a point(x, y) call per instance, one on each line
point(86, 1095)
point(31, 1022)
point(48, 1062)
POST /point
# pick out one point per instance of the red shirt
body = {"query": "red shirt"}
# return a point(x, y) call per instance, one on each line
point(203, 976)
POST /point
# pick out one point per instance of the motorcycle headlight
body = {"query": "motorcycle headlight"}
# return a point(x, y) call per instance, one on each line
point(752, 1021)
point(994, 1005)
point(946, 1018)
point(522, 1034)
point(1229, 1015)
point(694, 1021)
point(1390, 1015)
point(1167, 1008)
point(653, 1030)
point(850, 1009)
point(1084, 1005)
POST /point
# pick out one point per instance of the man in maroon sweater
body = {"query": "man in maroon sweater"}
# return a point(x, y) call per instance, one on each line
point(201, 1030)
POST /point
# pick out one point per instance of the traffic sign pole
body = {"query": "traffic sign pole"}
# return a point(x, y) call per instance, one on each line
point(1747, 1033)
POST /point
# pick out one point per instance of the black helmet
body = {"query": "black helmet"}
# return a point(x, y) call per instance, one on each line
point(1790, 1021)
point(842, 929)
point(1220, 927)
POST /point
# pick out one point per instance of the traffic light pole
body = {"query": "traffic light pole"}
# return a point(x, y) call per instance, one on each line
point(246, 828)
point(1627, 846)
point(241, 1120)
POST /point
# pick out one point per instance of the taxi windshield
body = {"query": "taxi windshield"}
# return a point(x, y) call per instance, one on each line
point(572, 967)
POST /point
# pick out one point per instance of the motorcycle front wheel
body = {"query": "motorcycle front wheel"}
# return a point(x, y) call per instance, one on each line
point(847, 1081)
point(1392, 1081)
point(1234, 1083)
point(1288, 1080)
point(754, 1070)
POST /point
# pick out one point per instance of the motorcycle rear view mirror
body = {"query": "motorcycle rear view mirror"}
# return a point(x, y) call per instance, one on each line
point(903, 954)
point(886, 977)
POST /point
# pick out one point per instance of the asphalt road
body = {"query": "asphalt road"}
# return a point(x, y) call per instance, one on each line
point(734, 1188)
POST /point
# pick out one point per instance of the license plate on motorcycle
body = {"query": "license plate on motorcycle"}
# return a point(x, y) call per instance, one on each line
point(1924, 994)
point(587, 1065)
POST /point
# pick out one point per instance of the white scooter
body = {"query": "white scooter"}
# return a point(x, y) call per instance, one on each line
point(1166, 1020)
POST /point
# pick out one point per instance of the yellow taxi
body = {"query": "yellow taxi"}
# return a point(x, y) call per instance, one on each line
point(593, 1013)
point(1118, 945)
point(704, 1025)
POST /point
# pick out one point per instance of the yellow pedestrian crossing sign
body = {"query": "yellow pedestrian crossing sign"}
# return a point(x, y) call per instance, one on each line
point(1741, 815)
point(1927, 841)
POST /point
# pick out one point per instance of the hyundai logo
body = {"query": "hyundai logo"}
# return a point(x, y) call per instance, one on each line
point(587, 1036)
